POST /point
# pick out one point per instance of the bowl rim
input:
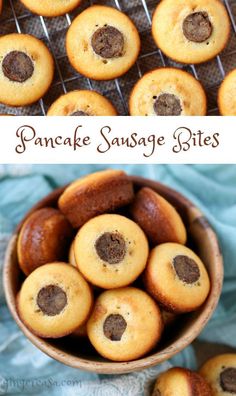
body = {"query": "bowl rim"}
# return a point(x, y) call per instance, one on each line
point(110, 367)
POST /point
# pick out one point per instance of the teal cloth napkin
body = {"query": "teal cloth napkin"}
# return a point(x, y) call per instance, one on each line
point(25, 370)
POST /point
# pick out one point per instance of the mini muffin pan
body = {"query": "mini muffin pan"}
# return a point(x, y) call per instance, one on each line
point(15, 18)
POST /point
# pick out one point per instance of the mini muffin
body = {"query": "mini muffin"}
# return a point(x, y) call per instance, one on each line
point(168, 92)
point(158, 218)
point(125, 324)
point(82, 103)
point(51, 8)
point(179, 381)
point(102, 43)
point(227, 95)
point(26, 69)
point(54, 300)
point(220, 373)
point(191, 31)
point(116, 249)
point(94, 194)
point(177, 278)
point(44, 237)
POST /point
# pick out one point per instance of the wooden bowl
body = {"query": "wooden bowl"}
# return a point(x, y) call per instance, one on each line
point(79, 353)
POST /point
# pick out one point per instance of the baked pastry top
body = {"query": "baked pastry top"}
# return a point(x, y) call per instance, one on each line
point(220, 373)
point(26, 69)
point(94, 194)
point(102, 43)
point(168, 92)
point(192, 31)
point(116, 249)
point(44, 238)
point(177, 278)
point(158, 218)
point(54, 300)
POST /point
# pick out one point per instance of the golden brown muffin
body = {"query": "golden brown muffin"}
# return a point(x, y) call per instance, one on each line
point(26, 69)
point(54, 300)
point(177, 278)
point(220, 373)
point(44, 237)
point(158, 218)
point(102, 43)
point(94, 194)
point(51, 8)
point(192, 31)
point(125, 324)
point(82, 103)
point(168, 92)
point(178, 381)
point(227, 95)
point(111, 251)
point(0, 6)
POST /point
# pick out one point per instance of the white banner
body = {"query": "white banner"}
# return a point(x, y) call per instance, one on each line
point(123, 140)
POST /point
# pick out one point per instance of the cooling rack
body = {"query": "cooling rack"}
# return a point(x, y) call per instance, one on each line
point(15, 18)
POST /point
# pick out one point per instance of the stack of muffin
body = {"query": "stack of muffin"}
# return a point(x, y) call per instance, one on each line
point(103, 43)
point(129, 274)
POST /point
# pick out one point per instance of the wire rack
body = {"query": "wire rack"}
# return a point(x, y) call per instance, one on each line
point(15, 18)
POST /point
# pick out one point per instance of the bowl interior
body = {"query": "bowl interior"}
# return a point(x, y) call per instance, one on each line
point(78, 352)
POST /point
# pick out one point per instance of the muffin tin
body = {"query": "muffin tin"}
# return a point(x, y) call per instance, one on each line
point(15, 18)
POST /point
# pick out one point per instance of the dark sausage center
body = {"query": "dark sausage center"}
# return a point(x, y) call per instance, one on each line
point(197, 27)
point(17, 66)
point(186, 269)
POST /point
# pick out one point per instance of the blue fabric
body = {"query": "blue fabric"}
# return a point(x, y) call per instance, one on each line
point(24, 369)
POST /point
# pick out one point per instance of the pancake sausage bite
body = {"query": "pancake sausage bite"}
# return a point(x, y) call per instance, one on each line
point(102, 43)
point(220, 373)
point(177, 278)
point(111, 251)
point(54, 300)
point(125, 324)
point(26, 69)
point(95, 194)
point(44, 237)
point(181, 382)
point(191, 31)
point(158, 218)
point(168, 92)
